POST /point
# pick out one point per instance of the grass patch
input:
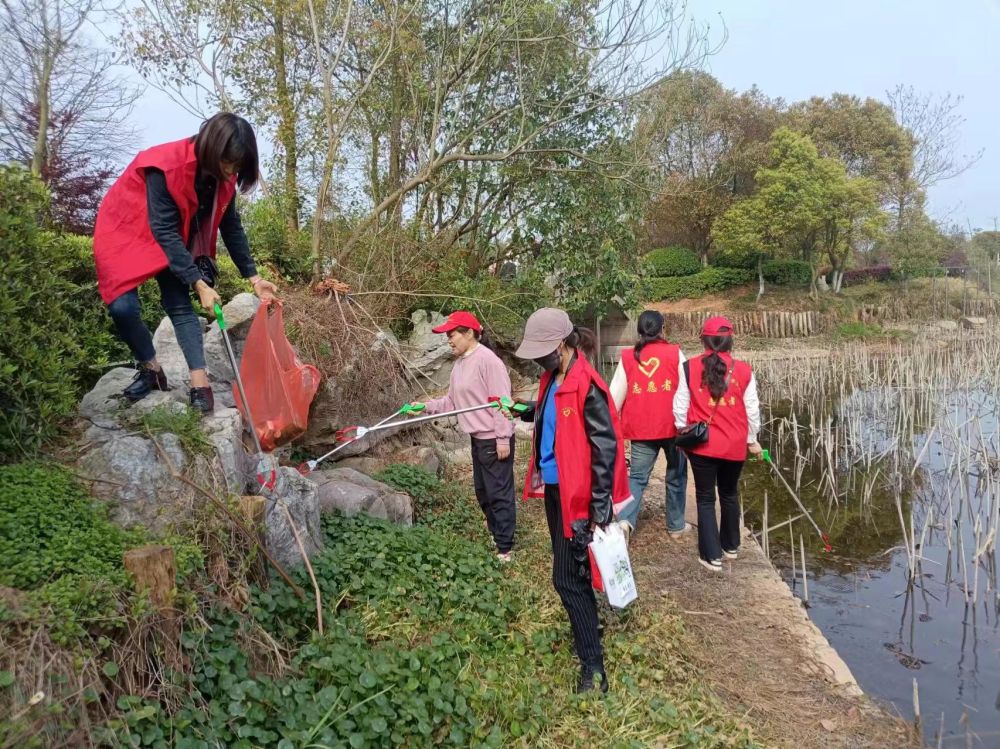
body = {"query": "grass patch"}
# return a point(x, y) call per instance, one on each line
point(183, 422)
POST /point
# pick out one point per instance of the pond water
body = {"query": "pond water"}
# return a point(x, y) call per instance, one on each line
point(896, 458)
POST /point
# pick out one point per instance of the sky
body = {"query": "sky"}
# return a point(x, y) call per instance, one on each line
point(795, 49)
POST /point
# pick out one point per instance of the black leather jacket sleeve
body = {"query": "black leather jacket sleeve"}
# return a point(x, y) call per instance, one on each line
point(603, 453)
point(529, 414)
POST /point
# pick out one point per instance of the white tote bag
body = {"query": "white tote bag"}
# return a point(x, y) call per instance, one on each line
point(611, 554)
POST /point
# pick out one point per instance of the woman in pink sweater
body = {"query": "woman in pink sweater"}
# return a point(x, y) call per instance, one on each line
point(478, 376)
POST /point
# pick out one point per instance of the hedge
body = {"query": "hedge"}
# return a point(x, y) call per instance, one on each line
point(788, 272)
point(707, 281)
point(670, 262)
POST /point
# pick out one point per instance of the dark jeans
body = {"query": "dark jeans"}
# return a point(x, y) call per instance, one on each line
point(577, 593)
point(709, 473)
point(126, 311)
point(494, 481)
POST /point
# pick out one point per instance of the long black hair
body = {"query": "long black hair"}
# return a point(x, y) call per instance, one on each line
point(583, 339)
point(481, 336)
point(225, 137)
point(650, 326)
point(714, 368)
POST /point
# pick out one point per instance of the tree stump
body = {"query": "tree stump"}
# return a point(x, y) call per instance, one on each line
point(154, 571)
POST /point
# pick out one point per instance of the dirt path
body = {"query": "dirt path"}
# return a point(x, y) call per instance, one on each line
point(755, 644)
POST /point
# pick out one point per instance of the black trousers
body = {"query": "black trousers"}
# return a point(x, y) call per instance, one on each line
point(576, 593)
point(494, 481)
point(710, 473)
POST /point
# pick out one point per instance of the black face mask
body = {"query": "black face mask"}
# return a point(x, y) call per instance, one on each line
point(549, 362)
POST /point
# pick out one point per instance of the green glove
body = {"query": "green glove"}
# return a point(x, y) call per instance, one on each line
point(412, 408)
point(218, 316)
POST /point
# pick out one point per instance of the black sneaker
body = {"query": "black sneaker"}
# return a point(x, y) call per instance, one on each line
point(203, 400)
point(145, 381)
point(588, 678)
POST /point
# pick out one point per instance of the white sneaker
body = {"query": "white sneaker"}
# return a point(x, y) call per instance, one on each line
point(677, 534)
point(504, 557)
point(715, 565)
point(734, 554)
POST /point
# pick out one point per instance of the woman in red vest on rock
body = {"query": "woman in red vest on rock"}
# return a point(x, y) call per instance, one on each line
point(577, 466)
point(643, 389)
point(721, 392)
point(160, 220)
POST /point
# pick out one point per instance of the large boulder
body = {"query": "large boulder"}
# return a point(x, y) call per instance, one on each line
point(421, 456)
point(426, 353)
point(300, 497)
point(352, 492)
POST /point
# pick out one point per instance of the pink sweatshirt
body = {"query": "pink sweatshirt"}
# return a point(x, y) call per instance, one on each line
point(478, 375)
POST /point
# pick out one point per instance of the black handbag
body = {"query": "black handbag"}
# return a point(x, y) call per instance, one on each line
point(696, 434)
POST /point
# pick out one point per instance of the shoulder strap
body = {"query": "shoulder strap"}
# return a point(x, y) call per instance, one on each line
point(687, 373)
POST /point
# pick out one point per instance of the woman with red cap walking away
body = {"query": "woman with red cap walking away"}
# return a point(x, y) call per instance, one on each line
point(718, 392)
point(643, 389)
point(577, 465)
point(160, 220)
point(478, 376)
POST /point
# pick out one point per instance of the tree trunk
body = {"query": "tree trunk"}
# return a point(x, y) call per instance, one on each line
point(286, 127)
point(396, 143)
point(760, 278)
point(153, 570)
point(39, 155)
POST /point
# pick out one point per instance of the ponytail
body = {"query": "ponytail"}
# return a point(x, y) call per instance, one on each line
point(650, 327)
point(714, 369)
point(583, 339)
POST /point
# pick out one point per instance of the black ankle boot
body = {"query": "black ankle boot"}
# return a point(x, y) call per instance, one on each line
point(145, 381)
point(203, 400)
point(588, 680)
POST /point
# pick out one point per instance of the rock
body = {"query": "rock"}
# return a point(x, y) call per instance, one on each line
point(103, 404)
point(363, 463)
point(352, 492)
point(134, 478)
point(224, 430)
point(821, 284)
point(973, 322)
point(420, 456)
point(300, 496)
point(170, 356)
point(456, 456)
point(523, 431)
point(946, 325)
point(427, 353)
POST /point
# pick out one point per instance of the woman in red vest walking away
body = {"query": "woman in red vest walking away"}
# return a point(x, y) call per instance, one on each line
point(721, 392)
point(160, 220)
point(577, 466)
point(478, 376)
point(643, 389)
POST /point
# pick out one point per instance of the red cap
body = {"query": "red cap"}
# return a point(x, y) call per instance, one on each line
point(717, 326)
point(459, 319)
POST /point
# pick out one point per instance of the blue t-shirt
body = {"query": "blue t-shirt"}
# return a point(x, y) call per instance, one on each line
point(547, 458)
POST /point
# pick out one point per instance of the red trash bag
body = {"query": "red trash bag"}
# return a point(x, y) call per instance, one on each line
point(279, 387)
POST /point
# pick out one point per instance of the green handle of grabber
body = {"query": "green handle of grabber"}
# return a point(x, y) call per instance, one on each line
point(508, 404)
point(765, 455)
point(218, 316)
point(412, 408)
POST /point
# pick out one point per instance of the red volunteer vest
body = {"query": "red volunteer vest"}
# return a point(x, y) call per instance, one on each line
point(573, 448)
point(727, 432)
point(648, 409)
point(125, 252)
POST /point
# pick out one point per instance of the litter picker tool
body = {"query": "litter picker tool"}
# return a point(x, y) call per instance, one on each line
point(310, 465)
point(267, 476)
point(766, 457)
point(351, 434)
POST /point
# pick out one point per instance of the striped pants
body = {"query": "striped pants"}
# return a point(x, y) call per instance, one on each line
point(576, 593)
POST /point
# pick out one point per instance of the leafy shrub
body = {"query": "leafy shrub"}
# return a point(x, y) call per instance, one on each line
point(669, 262)
point(745, 259)
point(270, 240)
point(707, 281)
point(877, 273)
point(41, 353)
point(788, 272)
point(438, 504)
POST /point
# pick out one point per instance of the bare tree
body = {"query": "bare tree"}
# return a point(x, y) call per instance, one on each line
point(934, 122)
point(63, 107)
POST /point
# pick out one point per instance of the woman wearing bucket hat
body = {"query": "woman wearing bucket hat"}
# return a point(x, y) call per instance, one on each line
point(577, 466)
point(478, 376)
point(718, 393)
point(643, 389)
